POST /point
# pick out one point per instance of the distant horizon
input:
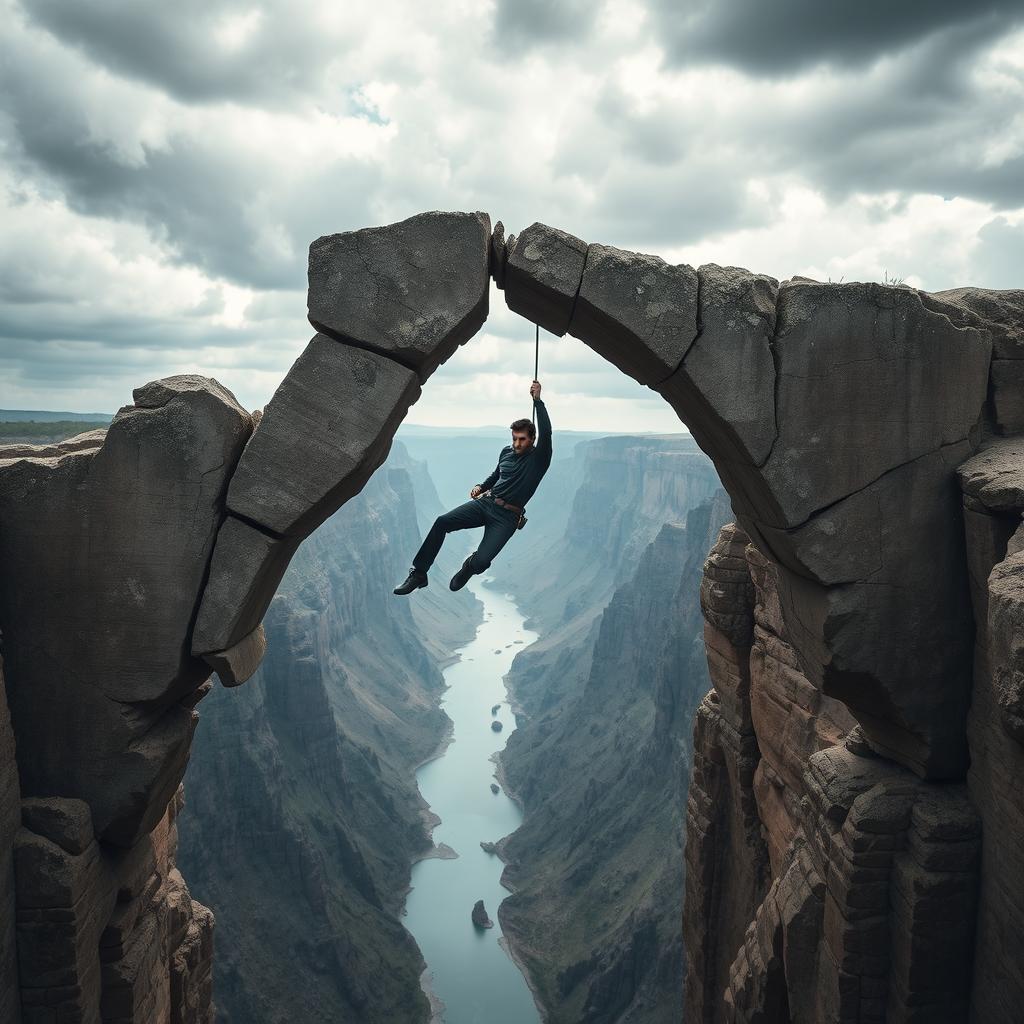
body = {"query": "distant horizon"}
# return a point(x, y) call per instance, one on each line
point(56, 415)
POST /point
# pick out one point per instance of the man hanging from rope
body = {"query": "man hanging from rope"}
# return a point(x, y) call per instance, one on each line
point(498, 503)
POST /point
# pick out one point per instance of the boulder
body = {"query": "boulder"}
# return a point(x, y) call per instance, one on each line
point(995, 476)
point(494, 788)
point(543, 274)
point(497, 726)
point(327, 428)
point(237, 664)
point(479, 916)
point(105, 552)
point(413, 291)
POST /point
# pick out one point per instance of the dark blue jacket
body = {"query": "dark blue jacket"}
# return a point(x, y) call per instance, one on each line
point(516, 477)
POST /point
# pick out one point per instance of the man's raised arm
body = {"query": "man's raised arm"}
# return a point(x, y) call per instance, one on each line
point(543, 422)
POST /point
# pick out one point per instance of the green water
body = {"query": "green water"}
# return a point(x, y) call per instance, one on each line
point(466, 968)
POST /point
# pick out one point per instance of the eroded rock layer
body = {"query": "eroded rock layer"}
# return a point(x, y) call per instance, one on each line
point(817, 871)
point(107, 934)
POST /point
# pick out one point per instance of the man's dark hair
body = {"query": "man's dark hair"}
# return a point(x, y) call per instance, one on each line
point(526, 425)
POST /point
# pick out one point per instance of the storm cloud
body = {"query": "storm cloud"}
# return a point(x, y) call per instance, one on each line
point(163, 170)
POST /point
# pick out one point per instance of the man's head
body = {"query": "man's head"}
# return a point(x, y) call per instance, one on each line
point(523, 434)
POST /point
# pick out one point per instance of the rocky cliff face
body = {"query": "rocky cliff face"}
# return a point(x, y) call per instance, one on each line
point(601, 767)
point(104, 545)
point(303, 816)
point(825, 882)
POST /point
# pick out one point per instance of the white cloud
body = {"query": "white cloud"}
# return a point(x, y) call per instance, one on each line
point(162, 176)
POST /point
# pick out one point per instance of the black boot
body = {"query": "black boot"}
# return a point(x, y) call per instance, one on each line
point(462, 577)
point(413, 581)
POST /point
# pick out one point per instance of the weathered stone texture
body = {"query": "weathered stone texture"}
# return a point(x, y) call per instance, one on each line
point(105, 552)
point(637, 311)
point(106, 934)
point(877, 400)
point(727, 864)
point(1001, 313)
point(10, 817)
point(78, 443)
point(993, 484)
point(725, 388)
point(328, 426)
point(860, 859)
point(791, 716)
point(238, 663)
point(869, 379)
point(246, 568)
point(413, 291)
point(543, 273)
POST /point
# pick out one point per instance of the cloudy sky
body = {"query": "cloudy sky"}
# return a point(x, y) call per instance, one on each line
point(163, 167)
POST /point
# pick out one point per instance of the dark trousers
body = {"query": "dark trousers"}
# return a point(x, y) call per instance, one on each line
point(499, 524)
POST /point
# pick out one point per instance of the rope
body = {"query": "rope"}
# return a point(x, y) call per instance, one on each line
point(536, 368)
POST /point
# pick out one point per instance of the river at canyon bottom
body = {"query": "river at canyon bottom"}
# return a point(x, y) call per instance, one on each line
point(467, 970)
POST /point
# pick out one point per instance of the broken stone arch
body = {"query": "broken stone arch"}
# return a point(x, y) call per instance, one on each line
point(841, 418)
point(835, 414)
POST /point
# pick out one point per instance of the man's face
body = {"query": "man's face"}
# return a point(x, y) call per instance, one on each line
point(521, 442)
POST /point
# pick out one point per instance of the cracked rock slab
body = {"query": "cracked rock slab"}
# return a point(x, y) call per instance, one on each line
point(637, 311)
point(542, 276)
point(327, 428)
point(414, 291)
point(868, 379)
point(247, 566)
point(725, 388)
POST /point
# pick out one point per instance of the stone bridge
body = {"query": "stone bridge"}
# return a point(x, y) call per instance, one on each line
point(869, 437)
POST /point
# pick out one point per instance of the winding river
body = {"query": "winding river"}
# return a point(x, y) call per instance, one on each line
point(468, 972)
